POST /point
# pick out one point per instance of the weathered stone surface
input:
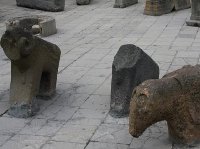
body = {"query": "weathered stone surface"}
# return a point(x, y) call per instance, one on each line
point(160, 7)
point(34, 66)
point(83, 2)
point(174, 98)
point(47, 5)
point(195, 10)
point(195, 17)
point(43, 25)
point(124, 3)
point(131, 66)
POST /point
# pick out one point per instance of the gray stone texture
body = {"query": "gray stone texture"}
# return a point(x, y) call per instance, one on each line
point(47, 5)
point(43, 25)
point(195, 17)
point(160, 7)
point(131, 66)
point(124, 3)
point(83, 2)
point(195, 10)
point(34, 67)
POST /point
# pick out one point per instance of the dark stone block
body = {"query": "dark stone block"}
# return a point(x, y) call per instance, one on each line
point(131, 66)
point(47, 5)
point(124, 3)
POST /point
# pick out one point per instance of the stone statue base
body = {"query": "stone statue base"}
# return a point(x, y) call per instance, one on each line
point(124, 3)
point(195, 23)
point(195, 17)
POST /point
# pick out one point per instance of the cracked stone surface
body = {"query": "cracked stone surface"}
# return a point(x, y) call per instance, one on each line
point(89, 37)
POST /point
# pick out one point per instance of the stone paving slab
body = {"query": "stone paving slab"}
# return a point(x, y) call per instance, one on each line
point(89, 37)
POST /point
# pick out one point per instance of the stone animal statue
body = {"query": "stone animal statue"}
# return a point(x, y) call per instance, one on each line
point(160, 7)
point(34, 67)
point(131, 66)
point(174, 98)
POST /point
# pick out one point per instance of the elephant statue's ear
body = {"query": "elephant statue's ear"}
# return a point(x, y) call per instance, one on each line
point(4, 42)
point(25, 46)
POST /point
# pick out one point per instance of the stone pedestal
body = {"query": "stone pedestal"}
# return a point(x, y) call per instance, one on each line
point(195, 17)
point(124, 3)
point(160, 7)
point(47, 5)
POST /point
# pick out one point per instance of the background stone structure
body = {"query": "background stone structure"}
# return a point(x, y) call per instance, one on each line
point(47, 5)
point(124, 3)
point(160, 7)
point(38, 24)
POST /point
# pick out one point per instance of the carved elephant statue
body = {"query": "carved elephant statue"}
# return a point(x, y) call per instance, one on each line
point(34, 67)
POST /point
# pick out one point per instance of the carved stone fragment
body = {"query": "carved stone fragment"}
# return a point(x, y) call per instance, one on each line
point(174, 98)
point(124, 3)
point(43, 25)
point(195, 17)
point(47, 5)
point(160, 7)
point(34, 67)
point(131, 66)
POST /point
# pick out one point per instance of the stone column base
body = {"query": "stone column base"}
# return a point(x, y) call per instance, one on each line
point(195, 23)
point(124, 3)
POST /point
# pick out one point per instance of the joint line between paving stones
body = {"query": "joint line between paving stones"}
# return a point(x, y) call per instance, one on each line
point(172, 61)
point(74, 60)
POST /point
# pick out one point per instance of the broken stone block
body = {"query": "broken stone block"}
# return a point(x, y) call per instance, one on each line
point(174, 98)
point(131, 66)
point(47, 5)
point(43, 25)
point(82, 2)
point(34, 67)
point(160, 7)
point(195, 17)
point(124, 3)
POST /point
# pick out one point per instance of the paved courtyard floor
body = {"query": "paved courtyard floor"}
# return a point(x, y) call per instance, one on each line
point(89, 37)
